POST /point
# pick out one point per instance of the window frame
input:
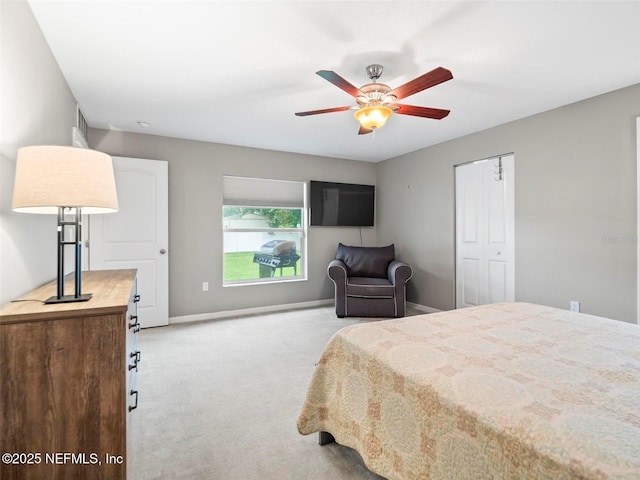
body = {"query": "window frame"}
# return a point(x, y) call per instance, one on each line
point(301, 230)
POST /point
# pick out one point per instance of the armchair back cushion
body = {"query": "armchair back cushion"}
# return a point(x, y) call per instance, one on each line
point(366, 261)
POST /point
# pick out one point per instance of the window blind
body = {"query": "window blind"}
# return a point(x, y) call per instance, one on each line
point(261, 192)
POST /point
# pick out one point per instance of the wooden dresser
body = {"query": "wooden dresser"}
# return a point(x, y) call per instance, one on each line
point(67, 381)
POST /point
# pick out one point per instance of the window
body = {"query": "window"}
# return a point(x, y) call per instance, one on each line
point(264, 230)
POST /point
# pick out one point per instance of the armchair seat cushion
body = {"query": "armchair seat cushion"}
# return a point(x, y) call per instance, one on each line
point(369, 287)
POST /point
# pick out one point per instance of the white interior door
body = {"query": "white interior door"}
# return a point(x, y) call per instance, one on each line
point(137, 235)
point(485, 246)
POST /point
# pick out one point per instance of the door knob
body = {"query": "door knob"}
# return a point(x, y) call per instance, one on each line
point(162, 251)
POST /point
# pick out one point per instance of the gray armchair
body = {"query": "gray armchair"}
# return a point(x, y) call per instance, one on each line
point(369, 282)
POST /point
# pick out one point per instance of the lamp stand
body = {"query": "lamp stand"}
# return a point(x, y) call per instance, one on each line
point(76, 224)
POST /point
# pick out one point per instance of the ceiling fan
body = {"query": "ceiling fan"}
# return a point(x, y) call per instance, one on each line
point(377, 101)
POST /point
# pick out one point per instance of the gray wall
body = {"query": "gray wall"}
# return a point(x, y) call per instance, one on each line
point(575, 197)
point(37, 109)
point(575, 182)
point(195, 217)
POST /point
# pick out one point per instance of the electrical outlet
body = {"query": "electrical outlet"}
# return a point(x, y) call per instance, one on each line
point(205, 286)
point(574, 306)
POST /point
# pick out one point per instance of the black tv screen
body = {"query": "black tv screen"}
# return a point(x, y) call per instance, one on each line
point(341, 204)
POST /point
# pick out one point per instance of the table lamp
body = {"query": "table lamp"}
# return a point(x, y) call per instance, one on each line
point(66, 181)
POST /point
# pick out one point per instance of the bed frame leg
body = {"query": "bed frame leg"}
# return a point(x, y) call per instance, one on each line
point(325, 438)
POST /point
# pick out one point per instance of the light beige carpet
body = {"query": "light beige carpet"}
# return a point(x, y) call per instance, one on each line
point(220, 400)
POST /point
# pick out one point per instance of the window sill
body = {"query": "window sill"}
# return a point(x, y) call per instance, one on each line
point(264, 282)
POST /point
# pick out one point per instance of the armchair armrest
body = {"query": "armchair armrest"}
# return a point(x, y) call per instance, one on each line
point(337, 271)
point(399, 273)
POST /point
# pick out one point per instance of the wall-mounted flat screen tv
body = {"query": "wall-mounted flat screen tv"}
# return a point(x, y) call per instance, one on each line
point(341, 204)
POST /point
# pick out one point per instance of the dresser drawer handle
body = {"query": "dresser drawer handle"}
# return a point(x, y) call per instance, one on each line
point(136, 355)
point(135, 325)
point(134, 392)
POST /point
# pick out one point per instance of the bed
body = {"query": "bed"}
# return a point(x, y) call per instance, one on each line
point(501, 391)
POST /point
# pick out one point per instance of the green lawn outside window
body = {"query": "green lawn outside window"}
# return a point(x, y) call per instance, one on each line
point(240, 266)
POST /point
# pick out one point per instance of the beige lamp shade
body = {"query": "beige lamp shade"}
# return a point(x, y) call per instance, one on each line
point(48, 177)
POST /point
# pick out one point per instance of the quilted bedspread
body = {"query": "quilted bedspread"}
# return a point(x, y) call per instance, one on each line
point(502, 391)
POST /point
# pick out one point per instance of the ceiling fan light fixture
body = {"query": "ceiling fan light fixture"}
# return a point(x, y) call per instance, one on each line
point(374, 116)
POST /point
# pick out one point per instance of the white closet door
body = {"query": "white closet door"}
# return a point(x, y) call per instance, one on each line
point(485, 260)
point(137, 235)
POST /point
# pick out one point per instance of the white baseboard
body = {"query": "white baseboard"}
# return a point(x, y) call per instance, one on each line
point(423, 308)
point(272, 308)
point(249, 311)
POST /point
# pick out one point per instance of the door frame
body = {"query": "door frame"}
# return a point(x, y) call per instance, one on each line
point(638, 220)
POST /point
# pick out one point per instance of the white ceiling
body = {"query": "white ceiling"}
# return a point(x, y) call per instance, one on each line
point(235, 72)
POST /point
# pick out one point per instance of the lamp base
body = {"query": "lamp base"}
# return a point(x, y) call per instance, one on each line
point(68, 298)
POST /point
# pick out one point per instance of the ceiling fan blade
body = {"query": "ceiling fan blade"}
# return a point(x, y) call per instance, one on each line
point(429, 79)
point(339, 82)
point(426, 112)
point(324, 110)
point(364, 131)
